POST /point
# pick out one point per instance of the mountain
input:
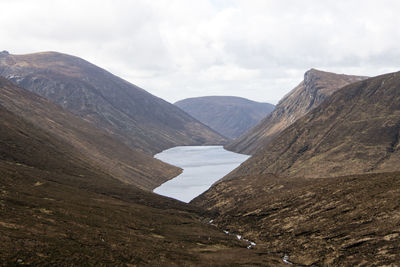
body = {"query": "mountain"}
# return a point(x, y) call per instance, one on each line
point(356, 130)
point(325, 191)
point(60, 207)
point(312, 91)
point(127, 112)
point(95, 147)
point(229, 115)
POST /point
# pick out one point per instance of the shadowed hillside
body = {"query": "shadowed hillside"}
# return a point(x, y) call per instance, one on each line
point(316, 86)
point(231, 116)
point(95, 147)
point(127, 112)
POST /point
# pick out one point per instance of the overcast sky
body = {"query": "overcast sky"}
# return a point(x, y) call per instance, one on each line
point(177, 49)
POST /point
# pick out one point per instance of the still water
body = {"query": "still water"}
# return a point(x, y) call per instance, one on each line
point(202, 166)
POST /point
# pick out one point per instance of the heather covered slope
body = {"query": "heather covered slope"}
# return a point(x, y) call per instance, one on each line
point(356, 130)
point(338, 221)
point(312, 91)
point(127, 112)
point(229, 115)
point(95, 147)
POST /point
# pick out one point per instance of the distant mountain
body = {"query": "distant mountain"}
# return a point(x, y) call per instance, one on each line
point(356, 130)
point(229, 115)
point(90, 145)
point(316, 86)
point(127, 112)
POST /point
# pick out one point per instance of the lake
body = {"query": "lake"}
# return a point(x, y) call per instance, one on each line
point(202, 166)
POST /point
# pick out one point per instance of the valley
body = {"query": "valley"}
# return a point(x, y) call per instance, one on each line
point(98, 176)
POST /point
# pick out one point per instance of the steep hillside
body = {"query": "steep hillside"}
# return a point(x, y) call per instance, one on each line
point(356, 130)
point(127, 112)
point(316, 86)
point(55, 209)
point(230, 116)
point(95, 147)
point(339, 221)
point(285, 197)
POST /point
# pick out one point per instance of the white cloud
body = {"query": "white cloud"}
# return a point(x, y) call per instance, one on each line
point(257, 49)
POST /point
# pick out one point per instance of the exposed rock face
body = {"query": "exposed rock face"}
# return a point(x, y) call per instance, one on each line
point(356, 130)
point(230, 116)
point(132, 115)
point(316, 87)
point(90, 145)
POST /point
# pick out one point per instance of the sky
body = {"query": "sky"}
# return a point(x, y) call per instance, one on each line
point(174, 49)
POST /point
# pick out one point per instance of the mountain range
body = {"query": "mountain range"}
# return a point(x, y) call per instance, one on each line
point(228, 115)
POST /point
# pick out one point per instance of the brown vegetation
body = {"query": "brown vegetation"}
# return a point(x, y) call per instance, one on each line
point(339, 221)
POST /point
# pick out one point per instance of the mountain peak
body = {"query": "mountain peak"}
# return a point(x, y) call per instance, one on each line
point(4, 53)
point(311, 75)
